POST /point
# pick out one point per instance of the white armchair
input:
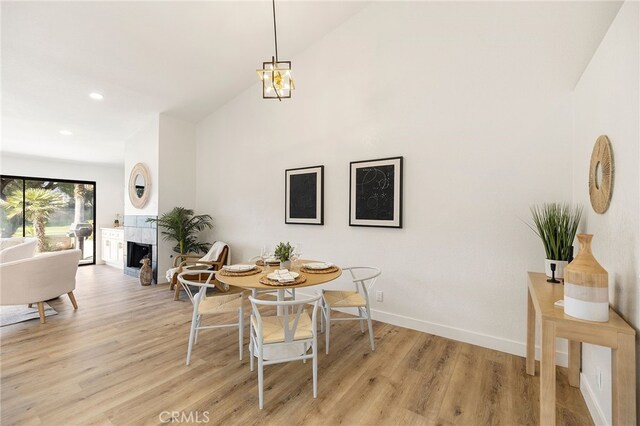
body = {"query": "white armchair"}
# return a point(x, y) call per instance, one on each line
point(17, 248)
point(39, 278)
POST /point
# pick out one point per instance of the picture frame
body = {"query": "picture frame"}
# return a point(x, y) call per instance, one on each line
point(375, 193)
point(304, 196)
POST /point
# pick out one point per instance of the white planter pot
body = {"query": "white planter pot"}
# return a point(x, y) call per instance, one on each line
point(285, 265)
point(560, 265)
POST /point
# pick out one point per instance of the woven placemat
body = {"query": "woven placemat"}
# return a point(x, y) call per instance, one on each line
point(320, 271)
point(261, 263)
point(299, 280)
point(226, 273)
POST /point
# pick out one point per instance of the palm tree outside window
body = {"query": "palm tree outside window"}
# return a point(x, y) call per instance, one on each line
point(59, 213)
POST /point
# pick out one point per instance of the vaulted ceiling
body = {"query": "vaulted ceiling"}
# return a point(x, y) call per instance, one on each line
point(182, 58)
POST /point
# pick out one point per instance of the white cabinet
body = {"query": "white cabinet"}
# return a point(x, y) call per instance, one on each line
point(113, 246)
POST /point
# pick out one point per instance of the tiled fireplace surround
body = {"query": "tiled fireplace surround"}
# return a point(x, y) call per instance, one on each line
point(138, 230)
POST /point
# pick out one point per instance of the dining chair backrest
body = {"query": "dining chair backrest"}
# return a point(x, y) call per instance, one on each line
point(364, 276)
point(201, 279)
point(289, 326)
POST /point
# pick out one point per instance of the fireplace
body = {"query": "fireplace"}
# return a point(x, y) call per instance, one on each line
point(142, 240)
point(136, 252)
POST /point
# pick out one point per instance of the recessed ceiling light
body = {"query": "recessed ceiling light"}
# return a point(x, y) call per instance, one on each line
point(66, 132)
point(97, 96)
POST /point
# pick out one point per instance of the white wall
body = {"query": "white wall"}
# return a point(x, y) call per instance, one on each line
point(177, 175)
point(143, 147)
point(484, 125)
point(607, 100)
point(167, 146)
point(108, 178)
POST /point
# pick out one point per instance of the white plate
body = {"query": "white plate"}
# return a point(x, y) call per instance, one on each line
point(238, 268)
point(318, 265)
point(274, 276)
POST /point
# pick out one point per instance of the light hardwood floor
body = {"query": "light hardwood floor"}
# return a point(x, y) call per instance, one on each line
point(120, 359)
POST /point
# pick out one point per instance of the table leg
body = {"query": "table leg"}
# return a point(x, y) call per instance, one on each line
point(531, 336)
point(280, 299)
point(623, 363)
point(548, 374)
point(574, 363)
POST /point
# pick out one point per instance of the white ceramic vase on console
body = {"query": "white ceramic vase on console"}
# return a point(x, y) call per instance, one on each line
point(586, 285)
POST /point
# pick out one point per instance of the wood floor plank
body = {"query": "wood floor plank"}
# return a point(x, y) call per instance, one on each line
point(120, 360)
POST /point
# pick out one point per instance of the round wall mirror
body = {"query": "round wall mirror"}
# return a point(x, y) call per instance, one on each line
point(598, 176)
point(601, 175)
point(139, 183)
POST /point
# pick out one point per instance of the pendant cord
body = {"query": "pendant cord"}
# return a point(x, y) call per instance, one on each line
point(275, 32)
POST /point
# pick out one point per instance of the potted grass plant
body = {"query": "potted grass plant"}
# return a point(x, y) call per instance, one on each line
point(283, 254)
point(556, 225)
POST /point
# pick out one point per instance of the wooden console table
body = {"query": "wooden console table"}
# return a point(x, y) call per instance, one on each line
point(615, 334)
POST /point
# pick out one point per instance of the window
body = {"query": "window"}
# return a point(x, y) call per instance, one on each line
point(59, 213)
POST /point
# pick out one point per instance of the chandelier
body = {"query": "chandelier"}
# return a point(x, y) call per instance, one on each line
point(275, 75)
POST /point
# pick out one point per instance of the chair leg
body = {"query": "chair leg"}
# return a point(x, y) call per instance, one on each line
point(251, 350)
point(321, 315)
point(193, 334)
point(241, 330)
point(304, 360)
point(176, 294)
point(174, 282)
point(195, 340)
point(370, 328)
point(361, 324)
point(315, 366)
point(328, 324)
point(260, 377)
point(73, 300)
point(41, 312)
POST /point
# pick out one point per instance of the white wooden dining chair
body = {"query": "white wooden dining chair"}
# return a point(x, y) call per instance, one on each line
point(218, 303)
point(295, 329)
point(364, 278)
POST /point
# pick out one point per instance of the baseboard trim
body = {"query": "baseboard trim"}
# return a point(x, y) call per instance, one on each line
point(592, 403)
point(479, 339)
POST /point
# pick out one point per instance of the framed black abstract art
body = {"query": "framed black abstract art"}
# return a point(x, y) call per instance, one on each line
point(304, 195)
point(375, 194)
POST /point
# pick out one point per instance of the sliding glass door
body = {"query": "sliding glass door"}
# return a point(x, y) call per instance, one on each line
point(59, 213)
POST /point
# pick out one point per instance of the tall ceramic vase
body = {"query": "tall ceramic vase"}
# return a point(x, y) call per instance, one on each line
point(586, 285)
point(146, 273)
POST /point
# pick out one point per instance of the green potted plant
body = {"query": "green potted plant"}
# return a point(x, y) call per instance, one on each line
point(182, 226)
point(556, 225)
point(283, 254)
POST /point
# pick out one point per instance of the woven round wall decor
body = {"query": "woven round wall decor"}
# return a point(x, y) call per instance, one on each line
point(601, 187)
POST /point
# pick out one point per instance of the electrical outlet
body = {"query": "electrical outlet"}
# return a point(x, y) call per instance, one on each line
point(379, 296)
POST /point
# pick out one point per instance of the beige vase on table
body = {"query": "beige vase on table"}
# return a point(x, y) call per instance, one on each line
point(586, 285)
